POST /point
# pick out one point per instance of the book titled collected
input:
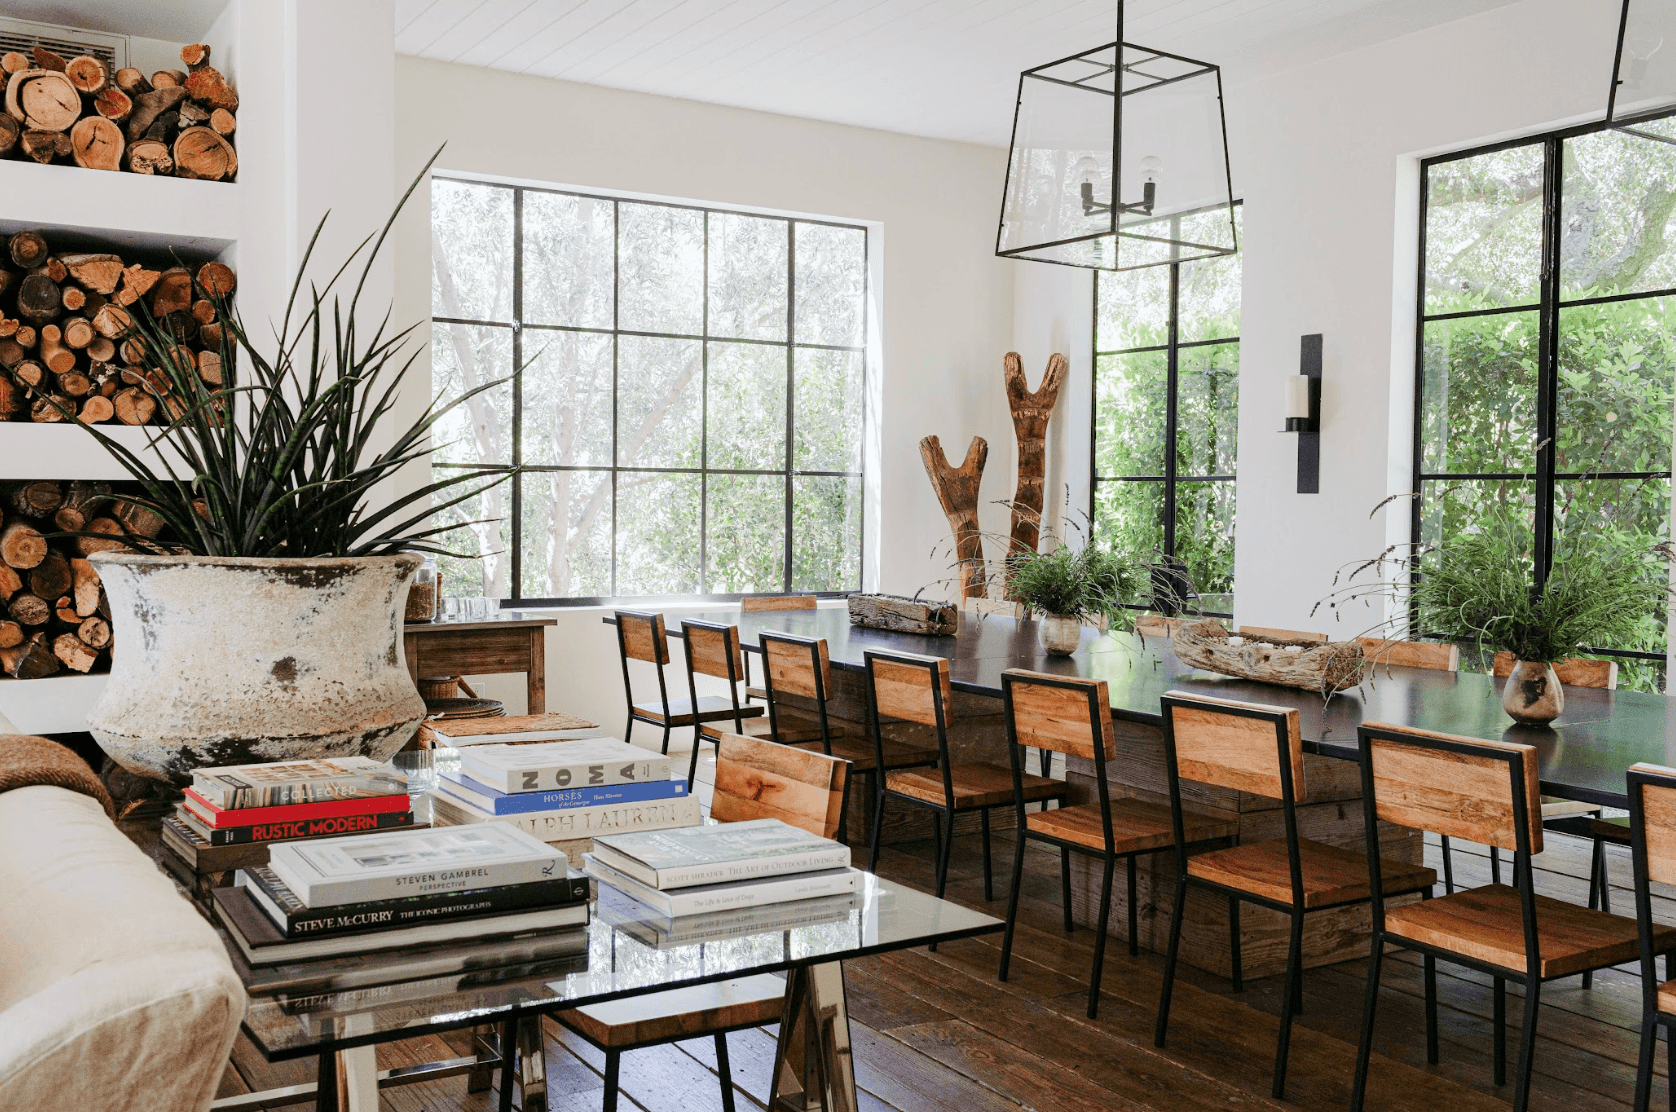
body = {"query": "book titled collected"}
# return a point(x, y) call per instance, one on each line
point(283, 783)
point(399, 863)
point(716, 854)
point(221, 818)
point(721, 897)
point(485, 798)
point(289, 829)
point(571, 823)
point(550, 766)
point(296, 919)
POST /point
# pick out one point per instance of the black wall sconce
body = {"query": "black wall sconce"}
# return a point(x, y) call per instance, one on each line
point(1303, 414)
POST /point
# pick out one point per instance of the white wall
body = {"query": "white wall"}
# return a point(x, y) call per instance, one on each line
point(1327, 159)
point(947, 310)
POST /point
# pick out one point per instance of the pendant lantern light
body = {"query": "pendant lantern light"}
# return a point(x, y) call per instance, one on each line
point(1643, 65)
point(1119, 160)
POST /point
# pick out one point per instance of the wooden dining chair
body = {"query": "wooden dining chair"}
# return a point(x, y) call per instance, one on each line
point(994, 607)
point(714, 650)
point(1576, 671)
point(1652, 823)
point(641, 636)
point(1074, 717)
point(1156, 625)
point(912, 688)
point(1485, 791)
point(1253, 748)
point(752, 603)
point(1435, 656)
point(755, 779)
point(1281, 634)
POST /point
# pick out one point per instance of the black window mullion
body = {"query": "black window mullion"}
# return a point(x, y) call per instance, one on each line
point(704, 427)
point(616, 353)
point(1171, 413)
point(1547, 349)
point(516, 588)
point(791, 392)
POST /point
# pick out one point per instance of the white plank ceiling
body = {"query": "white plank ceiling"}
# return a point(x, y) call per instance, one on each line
point(941, 68)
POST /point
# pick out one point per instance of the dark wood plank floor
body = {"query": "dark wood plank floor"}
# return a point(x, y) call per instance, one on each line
point(936, 1032)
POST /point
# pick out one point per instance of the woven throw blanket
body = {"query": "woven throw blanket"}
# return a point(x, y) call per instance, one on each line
point(26, 760)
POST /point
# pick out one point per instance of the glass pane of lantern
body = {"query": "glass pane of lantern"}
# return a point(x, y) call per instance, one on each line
point(1060, 173)
point(1646, 70)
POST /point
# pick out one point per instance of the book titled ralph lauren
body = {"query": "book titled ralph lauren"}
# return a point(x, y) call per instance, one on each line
point(496, 802)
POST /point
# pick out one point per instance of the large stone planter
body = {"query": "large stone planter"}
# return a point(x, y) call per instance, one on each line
point(222, 660)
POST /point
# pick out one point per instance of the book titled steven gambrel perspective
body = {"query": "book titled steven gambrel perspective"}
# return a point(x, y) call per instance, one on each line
point(715, 854)
point(588, 763)
point(412, 862)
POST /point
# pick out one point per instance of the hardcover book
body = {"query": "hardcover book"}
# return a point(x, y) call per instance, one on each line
point(261, 942)
point(645, 925)
point(400, 863)
point(283, 783)
point(722, 897)
point(220, 818)
point(719, 853)
point(296, 919)
point(485, 798)
point(286, 831)
point(512, 729)
point(322, 977)
point(574, 823)
point(550, 766)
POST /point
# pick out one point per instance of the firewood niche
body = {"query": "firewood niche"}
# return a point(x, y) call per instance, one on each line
point(65, 320)
point(53, 612)
point(74, 110)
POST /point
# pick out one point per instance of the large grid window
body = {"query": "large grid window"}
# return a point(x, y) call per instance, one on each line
point(690, 416)
point(1166, 417)
point(1546, 363)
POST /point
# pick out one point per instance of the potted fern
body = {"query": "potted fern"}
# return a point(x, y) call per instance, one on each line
point(1069, 587)
point(267, 623)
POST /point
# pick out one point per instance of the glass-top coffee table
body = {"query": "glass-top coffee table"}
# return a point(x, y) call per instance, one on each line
point(296, 1013)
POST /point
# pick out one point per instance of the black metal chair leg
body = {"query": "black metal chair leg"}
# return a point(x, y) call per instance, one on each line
point(1288, 1009)
point(1046, 767)
point(1370, 1005)
point(666, 730)
point(1605, 881)
point(629, 729)
point(945, 846)
point(613, 1062)
point(1644, 1064)
point(1431, 1009)
point(1670, 1061)
point(1527, 1047)
point(1236, 970)
point(1170, 962)
point(983, 823)
point(509, 1063)
point(1448, 866)
point(1100, 938)
point(1495, 866)
point(1012, 905)
point(878, 826)
point(724, 1073)
point(692, 765)
point(326, 1082)
point(1500, 1027)
point(1065, 887)
point(1134, 912)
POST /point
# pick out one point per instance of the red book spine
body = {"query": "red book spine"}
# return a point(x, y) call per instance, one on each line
point(217, 819)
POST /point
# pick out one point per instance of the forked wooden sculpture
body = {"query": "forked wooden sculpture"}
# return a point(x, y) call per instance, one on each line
point(957, 490)
point(1030, 420)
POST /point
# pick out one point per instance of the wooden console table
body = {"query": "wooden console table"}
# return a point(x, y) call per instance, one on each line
point(511, 641)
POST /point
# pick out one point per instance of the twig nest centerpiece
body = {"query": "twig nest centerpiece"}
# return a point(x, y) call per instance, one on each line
point(1291, 663)
point(1533, 694)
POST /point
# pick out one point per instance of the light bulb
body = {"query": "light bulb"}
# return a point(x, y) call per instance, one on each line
point(1085, 171)
point(1151, 166)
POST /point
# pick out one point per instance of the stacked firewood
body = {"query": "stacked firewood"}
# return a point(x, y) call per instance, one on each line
point(53, 611)
point(66, 323)
point(176, 122)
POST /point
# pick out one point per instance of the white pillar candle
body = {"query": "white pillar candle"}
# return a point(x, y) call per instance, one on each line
point(1297, 397)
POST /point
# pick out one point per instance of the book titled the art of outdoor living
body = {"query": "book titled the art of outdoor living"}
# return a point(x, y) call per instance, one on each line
point(750, 850)
point(282, 783)
point(588, 763)
point(412, 862)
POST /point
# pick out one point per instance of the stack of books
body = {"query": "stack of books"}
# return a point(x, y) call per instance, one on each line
point(518, 728)
point(400, 889)
point(564, 792)
point(707, 869)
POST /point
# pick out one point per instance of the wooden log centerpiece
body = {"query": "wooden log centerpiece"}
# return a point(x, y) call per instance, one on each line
point(1289, 662)
point(905, 615)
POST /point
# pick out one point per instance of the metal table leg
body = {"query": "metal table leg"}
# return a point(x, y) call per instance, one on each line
point(813, 1067)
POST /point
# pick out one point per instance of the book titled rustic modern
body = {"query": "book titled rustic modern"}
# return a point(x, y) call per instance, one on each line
point(549, 766)
point(402, 863)
point(223, 818)
point(282, 783)
point(715, 854)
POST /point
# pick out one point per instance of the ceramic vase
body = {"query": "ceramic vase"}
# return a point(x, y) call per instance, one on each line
point(222, 660)
point(1059, 634)
point(1532, 693)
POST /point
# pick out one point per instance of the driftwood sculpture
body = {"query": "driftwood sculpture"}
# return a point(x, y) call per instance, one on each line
point(1309, 664)
point(1030, 421)
point(957, 491)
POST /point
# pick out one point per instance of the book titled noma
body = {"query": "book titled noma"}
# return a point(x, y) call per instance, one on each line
point(588, 763)
point(363, 867)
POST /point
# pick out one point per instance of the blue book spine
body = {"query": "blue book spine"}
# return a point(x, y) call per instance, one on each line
point(495, 802)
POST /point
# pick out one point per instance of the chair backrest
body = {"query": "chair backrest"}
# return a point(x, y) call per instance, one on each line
point(757, 779)
point(1249, 747)
point(994, 607)
point(1456, 786)
point(797, 666)
point(910, 687)
point(714, 650)
point(641, 636)
point(1058, 713)
point(1577, 671)
point(1281, 634)
point(777, 602)
point(1156, 625)
point(1652, 832)
point(1433, 655)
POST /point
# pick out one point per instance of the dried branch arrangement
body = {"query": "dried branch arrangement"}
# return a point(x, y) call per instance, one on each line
point(176, 122)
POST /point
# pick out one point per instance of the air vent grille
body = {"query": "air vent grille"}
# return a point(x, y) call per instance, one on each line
point(68, 42)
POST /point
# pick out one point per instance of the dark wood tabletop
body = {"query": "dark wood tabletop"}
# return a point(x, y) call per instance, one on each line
point(1582, 756)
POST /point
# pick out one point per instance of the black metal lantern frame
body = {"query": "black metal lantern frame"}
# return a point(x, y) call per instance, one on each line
point(1644, 70)
point(1119, 160)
